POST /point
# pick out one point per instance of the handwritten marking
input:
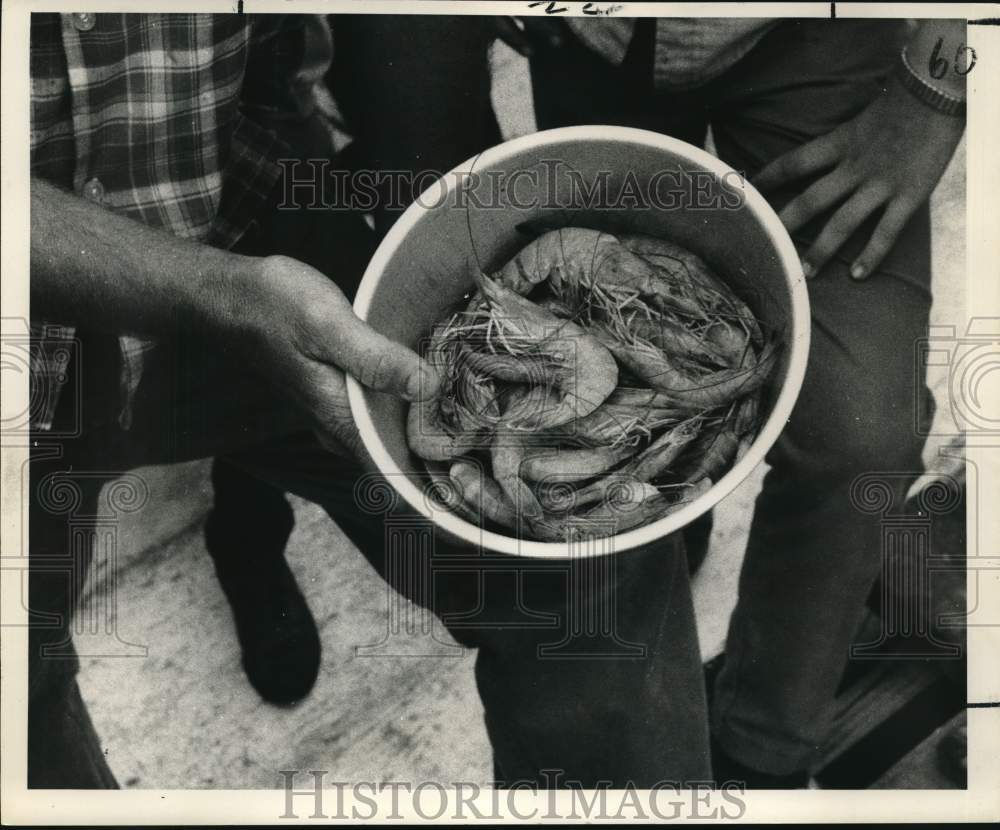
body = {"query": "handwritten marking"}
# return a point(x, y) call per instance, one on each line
point(591, 9)
point(549, 9)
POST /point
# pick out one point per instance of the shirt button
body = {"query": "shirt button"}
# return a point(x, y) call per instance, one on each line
point(93, 190)
point(84, 21)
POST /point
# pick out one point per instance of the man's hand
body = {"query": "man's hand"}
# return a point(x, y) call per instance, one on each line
point(889, 157)
point(304, 334)
point(93, 267)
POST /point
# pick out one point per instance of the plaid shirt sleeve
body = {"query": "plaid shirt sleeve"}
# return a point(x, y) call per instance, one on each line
point(169, 119)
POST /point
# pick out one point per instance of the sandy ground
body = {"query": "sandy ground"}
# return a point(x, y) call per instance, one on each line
point(184, 716)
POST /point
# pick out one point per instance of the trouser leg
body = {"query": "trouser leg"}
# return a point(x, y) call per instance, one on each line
point(814, 551)
point(65, 516)
point(63, 748)
point(812, 556)
point(415, 90)
point(64, 751)
point(638, 716)
point(590, 667)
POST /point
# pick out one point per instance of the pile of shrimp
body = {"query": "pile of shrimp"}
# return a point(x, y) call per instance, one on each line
point(594, 384)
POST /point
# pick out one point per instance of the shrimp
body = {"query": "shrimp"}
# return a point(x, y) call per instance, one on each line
point(508, 452)
point(564, 256)
point(475, 401)
point(578, 366)
point(732, 341)
point(746, 442)
point(639, 397)
point(524, 406)
point(699, 392)
point(611, 380)
point(697, 489)
point(715, 452)
point(633, 318)
point(482, 493)
point(680, 342)
point(747, 416)
point(648, 465)
point(535, 369)
point(678, 263)
point(558, 308)
point(572, 465)
point(627, 416)
point(435, 429)
point(575, 261)
point(629, 507)
point(746, 424)
point(658, 456)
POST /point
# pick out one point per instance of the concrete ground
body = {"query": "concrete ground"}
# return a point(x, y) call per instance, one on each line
point(184, 716)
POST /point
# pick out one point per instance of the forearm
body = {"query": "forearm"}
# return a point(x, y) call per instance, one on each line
point(89, 264)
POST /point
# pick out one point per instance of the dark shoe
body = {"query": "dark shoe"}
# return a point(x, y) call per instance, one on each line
point(726, 769)
point(246, 534)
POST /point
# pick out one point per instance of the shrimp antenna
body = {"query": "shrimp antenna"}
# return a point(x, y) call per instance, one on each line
point(468, 219)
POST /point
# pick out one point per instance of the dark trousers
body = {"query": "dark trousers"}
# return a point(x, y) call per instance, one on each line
point(586, 667)
point(813, 554)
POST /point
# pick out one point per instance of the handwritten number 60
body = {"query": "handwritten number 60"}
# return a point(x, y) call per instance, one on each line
point(938, 66)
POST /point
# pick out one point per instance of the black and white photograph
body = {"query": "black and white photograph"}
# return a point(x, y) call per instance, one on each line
point(530, 411)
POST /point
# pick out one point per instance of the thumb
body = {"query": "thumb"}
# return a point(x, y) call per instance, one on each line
point(380, 363)
point(376, 361)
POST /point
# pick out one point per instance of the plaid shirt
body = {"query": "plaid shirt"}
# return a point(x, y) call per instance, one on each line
point(170, 119)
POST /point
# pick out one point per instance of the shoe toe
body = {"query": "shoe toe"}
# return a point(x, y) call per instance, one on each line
point(283, 666)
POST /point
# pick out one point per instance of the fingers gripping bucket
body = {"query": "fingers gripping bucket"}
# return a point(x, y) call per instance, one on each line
point(614, 179)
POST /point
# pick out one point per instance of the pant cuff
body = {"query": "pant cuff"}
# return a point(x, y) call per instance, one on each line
point(770, 758)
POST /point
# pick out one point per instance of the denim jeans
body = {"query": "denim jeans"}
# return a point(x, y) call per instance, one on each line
point(812, 555)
